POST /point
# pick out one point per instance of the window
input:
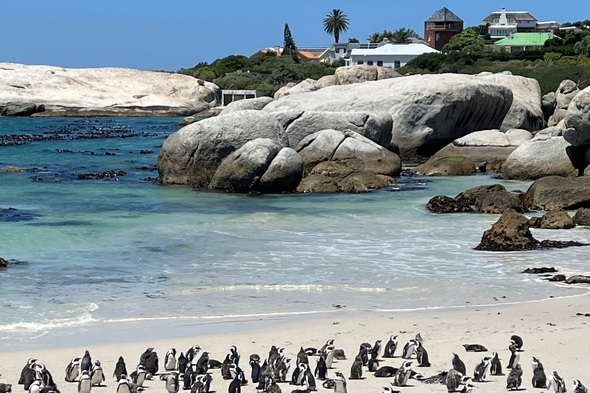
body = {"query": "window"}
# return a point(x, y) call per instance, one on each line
point(360, 62)
point(396, 64)
point(429, 37)
point(380, 63)
point(370, 62)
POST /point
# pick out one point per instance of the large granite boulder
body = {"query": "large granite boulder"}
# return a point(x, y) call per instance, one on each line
point(526, 111)
point(492, 199)
point(577, 119)
point(428, 111)
point(259, 165)
point(249, 104)
point(510, 233)
point(193, 154)
point(348, 75)
point(558, 193)
point(447, 166)
point(103, 91)
point(582, 217)
point(541, 156)
point(284, 91)
point(491, 147)
point(548, 103)
point(564, 95)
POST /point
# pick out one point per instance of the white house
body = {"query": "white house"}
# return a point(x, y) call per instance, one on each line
point(389, 55)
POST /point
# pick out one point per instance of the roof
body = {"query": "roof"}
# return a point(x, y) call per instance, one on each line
point(395, 49)
point(518, 15)
point(524, 39)
point(444, 15)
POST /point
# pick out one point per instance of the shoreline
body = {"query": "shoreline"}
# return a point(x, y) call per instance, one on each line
point(550, 328)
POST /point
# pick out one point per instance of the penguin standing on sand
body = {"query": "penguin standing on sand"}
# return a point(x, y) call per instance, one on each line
point(27, 369)
point(86, 362)
point(364, 353)
point(120, 370)
point(339, 383)
point(73, 370)
point(356, 370)
point(390, 347)
point(97, 374)
point(235, 385)
point(403, 374)
point(203, 363)
point(302, 357)
point(453, 379)
point(517, 341)
point(84, 385)
point(321, 370)
point(376, 350)
point(578, 387)
point(539, 377)
point(409, 349)
point(192, 353)
point(468, 388)
point(557, 383)
point(422, 355)
point(514, 378)
point(329, 357)
point(458, 364)
point(123, 386)
point(481, 370)
point(182, 362)
point(514, 356)
point(255, 365)
point(496, 365)
point(35, 386)
point(171, 380)
point(170, 360)
point(373, 364)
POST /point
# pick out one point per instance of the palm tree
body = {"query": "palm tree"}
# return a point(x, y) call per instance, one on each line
point(402, 35)
point(335, 23)
point(375, 38)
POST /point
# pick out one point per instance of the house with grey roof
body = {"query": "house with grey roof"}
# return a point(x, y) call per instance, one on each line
point(441, 27)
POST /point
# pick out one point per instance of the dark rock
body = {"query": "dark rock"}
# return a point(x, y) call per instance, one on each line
point(510, 233)
point(535, 222)
point(492, 199)
point(445, 204)
point(578, 279)
point(3, 263)
point(558, 193)
point(557, 220)
point(112, 174)
point(540, 270)
point(447, 166)
point(20, 110)
point(545, 244)
point(557, 278)
point(582, 217)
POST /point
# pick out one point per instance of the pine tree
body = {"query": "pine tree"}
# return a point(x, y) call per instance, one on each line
point(289, 47)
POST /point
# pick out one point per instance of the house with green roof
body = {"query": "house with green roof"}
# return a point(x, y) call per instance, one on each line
point(516, 42)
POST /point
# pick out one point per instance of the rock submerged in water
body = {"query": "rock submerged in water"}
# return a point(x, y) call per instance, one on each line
point(447, 166)
point(445, 204)
point(3, 263)
point(492, 199)
point(558, 193)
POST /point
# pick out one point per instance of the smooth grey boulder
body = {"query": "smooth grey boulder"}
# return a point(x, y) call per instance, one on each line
point(327, 80)
point(283, 91)
point(249, 104)
point(348, 75)
point(193, 154)
point(491, 199)
point(318, 147)
point(556, 130)
point(558, 193)
point(21, 109)
point(548, 103)
point(577, 119)
point(283, 174)
point(299, 124)
point(428, 111)
point(564, 95)
point(489, 146)
point(526, 111)
point(447, 166)
point(541, 156)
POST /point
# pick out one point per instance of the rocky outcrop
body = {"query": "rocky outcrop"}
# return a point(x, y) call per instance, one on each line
point(491, 147)
point(27, 109)
point(548, 103)
point(428, 111)
point(3, 263)
point(526, 111)
point(492, 199)
point(541, 156)
point(446, 204)
point(363, 73)
point(102, 91)
point(564, 95)
point(556, 220)
point(578, 279)
point(249, 104)
point(259, 165)
point(582, 217)
point(558, 193)
point(447, 166)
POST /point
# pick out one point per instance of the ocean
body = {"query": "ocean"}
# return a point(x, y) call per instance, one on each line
point(96, 244)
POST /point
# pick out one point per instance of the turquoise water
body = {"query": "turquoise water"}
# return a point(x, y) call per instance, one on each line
point(102, 252)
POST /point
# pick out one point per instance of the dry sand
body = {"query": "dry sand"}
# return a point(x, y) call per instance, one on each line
point(551, 331)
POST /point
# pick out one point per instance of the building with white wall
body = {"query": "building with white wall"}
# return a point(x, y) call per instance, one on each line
point(388, 55)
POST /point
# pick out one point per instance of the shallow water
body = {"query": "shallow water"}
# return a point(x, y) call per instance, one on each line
point(96, 252)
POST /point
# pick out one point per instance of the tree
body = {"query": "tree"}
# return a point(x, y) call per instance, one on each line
point(289, 47)
point(468, 40)
point(375, 38)
point(402, 35)
point(335, 23)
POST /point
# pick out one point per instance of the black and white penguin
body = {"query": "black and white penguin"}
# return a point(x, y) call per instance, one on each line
point(170, 360)
point(97, 374)
point(192, 353)
point(517, 340)
point(42, 373)
point(254, 362)
point(35, 386)
point(539, 377)
point(202, 384)
point(329, 357)
point(73, 370)
point(579, 387)
point(458, 364)
point(234, 370)
point(514, 378)
point(409, 349)
point(453, 380)
point(5, 388)
point(171, 379)
point(84, 385)
point(481, 370)
point(514, 356)
point(282, 371)
point(385, 372)
point(86, 362)
point(202, 365)
point(557, 383)
point(403, 374)
point(309, 380)
point(376, 350)
point(299, 374)
point(496, 365)
point(182, 362)
point(272, 387)
point(27, 369)
point(364, 353)
point(356, 370)
point(373, 365)
point(467, 388)
point(339, 383)
point(120, 370)
point(302, 357)
point(329, 343)
point(124, 386)
point(225, 373)
point(390, 347)
point(235, 385)
point(321, 370)
point(474, 348)
point(138, 376)
point(151, 363)
point(234, 355)
point(422, 356)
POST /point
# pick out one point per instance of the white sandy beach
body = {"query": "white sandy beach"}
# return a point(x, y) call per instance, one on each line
point(551, 330)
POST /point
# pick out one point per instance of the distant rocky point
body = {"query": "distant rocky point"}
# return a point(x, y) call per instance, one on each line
point(36, 90)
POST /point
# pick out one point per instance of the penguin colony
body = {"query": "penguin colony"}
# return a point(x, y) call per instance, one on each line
point(194, 370)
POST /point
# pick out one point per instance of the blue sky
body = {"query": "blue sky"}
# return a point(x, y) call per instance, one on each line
point(172, 34)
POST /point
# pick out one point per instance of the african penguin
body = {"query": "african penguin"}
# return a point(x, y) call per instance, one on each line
point(321, 370)
point(97, 374)
point(514, 356)
point(403, 374)
point(409, 349)
point(202, 365)
point(86, 362)
point(356, 370)
point(481, 370)
point(453, 379)
point(496, 365)
point(235, 385)
point(458, 364)
point(376, 350)
point(170, 360)
point(517, 340)
point(557, 383)
point(578, 387)
point(339, 383)
point(73, 370)
point(84, 385)
point(123, 386)
point(255, 365)
point(27, 369)
point(120, 369)
point(539, 377)
point(373, 365)
point(385, 372)
point(514, 378)
point(35, 386)
point(390, 347)
point(171, 380)
point(422, 355)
